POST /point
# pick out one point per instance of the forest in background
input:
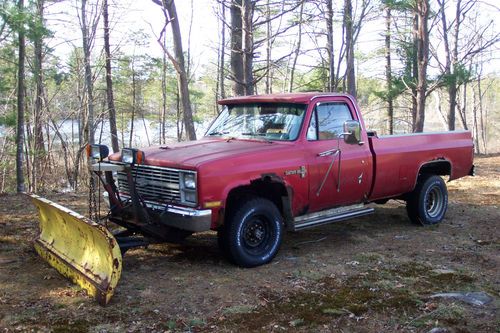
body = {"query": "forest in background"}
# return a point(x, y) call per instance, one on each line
point(433, 68)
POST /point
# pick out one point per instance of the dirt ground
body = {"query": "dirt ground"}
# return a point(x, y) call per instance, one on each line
point(371, 274)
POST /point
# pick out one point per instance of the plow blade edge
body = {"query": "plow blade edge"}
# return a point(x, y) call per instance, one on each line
point(80, 249)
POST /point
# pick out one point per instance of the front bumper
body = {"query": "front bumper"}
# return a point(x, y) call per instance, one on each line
point(184, 218)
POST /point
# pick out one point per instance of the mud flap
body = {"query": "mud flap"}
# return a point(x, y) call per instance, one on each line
point(80, 249)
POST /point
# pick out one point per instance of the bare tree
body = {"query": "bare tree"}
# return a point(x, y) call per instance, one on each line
point(88, 35)
point(269, 80)
point(422, 12)
point(221, 90)
point(237, 63)
point(163, 115)
point(298, 45)
point(461, 50)
point(178, 62)
point(388, 68)
point(134, 102)
point(349, 43)
point(39, 146)
point(351, 28)
point(109, 81)
point(20, 106)
point(329, 46)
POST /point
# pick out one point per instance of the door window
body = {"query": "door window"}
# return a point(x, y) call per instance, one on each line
point(327, 121)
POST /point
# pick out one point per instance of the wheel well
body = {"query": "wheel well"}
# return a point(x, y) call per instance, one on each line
point(265, 187)
point(440, 168)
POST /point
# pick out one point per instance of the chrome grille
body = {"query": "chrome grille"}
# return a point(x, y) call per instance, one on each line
point(153, 183)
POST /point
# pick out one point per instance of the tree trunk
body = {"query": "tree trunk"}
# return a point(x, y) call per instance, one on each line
point(247, 19)
point(134, 105)
point(422, 61)
point(329, 45)
point(450, 77)
point(268, 50)
point(388, 69)
point(181, 70)
point(109, 82)
point(39, 147)
point(20, 107)
point(463, 107)
point(452, 96)
point(483, 115)
point(164, 95)
point(453, 89)
point(237, 71)
point(475, 133)
point(349, 41)
point(414, 75)
point(222, 90)
point(89, 130)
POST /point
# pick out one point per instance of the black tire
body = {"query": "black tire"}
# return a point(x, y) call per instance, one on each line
point(428, 202)
point(254, 233)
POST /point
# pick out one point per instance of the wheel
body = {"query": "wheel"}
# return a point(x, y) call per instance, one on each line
point(428, 202)
point(254, 233)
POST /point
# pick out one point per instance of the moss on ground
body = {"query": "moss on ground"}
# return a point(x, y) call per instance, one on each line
point(398, 291)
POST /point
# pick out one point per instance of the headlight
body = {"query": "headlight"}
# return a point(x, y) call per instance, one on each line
point(190, 181)
point(127, 155)
point(97, 152)
point(188, 188)
point(190, 197)
point(132, 156)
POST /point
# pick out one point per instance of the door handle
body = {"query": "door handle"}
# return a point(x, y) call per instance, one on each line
point(328, 152)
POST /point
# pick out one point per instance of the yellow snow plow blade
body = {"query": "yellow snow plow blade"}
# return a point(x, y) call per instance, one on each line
point(80, 249)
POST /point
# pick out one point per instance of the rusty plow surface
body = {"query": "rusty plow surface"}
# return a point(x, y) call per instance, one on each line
point(80, 249)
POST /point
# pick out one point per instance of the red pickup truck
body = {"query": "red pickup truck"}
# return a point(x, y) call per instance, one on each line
point(280, 162)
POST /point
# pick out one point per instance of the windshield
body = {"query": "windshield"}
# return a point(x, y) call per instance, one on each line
point(270, 121)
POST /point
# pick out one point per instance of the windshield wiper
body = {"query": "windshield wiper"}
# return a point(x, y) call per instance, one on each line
point(253, 134)
point(260, 136)
point(217, 133)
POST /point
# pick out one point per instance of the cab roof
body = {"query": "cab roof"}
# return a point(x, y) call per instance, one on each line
point(301, 98)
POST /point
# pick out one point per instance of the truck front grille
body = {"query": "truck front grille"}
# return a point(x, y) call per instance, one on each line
point(153, 183)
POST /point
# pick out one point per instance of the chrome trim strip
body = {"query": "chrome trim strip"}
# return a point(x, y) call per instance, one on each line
point(156, 167)
point(328, 212)
point(184, 211)
point(420, 133)
point(335, 218)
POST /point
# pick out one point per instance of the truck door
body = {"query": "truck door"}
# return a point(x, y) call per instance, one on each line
point(339, 173)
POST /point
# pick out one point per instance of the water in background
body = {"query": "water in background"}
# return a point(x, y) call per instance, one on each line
point(146, 132)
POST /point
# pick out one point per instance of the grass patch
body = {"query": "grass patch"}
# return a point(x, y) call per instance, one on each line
point(444, 315)
point(76, 326)
point(238, 309)
point(397, 291)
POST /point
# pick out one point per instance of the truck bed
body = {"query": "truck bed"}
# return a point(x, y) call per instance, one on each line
point(397, 159)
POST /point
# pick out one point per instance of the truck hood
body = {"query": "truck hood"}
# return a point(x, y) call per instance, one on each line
point(193, 154)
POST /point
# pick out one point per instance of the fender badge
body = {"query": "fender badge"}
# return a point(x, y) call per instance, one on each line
point(302, 171)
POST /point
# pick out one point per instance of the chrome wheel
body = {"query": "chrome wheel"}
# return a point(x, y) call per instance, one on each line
point(434, 202)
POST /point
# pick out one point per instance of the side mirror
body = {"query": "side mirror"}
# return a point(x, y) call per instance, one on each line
point(352, 132)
